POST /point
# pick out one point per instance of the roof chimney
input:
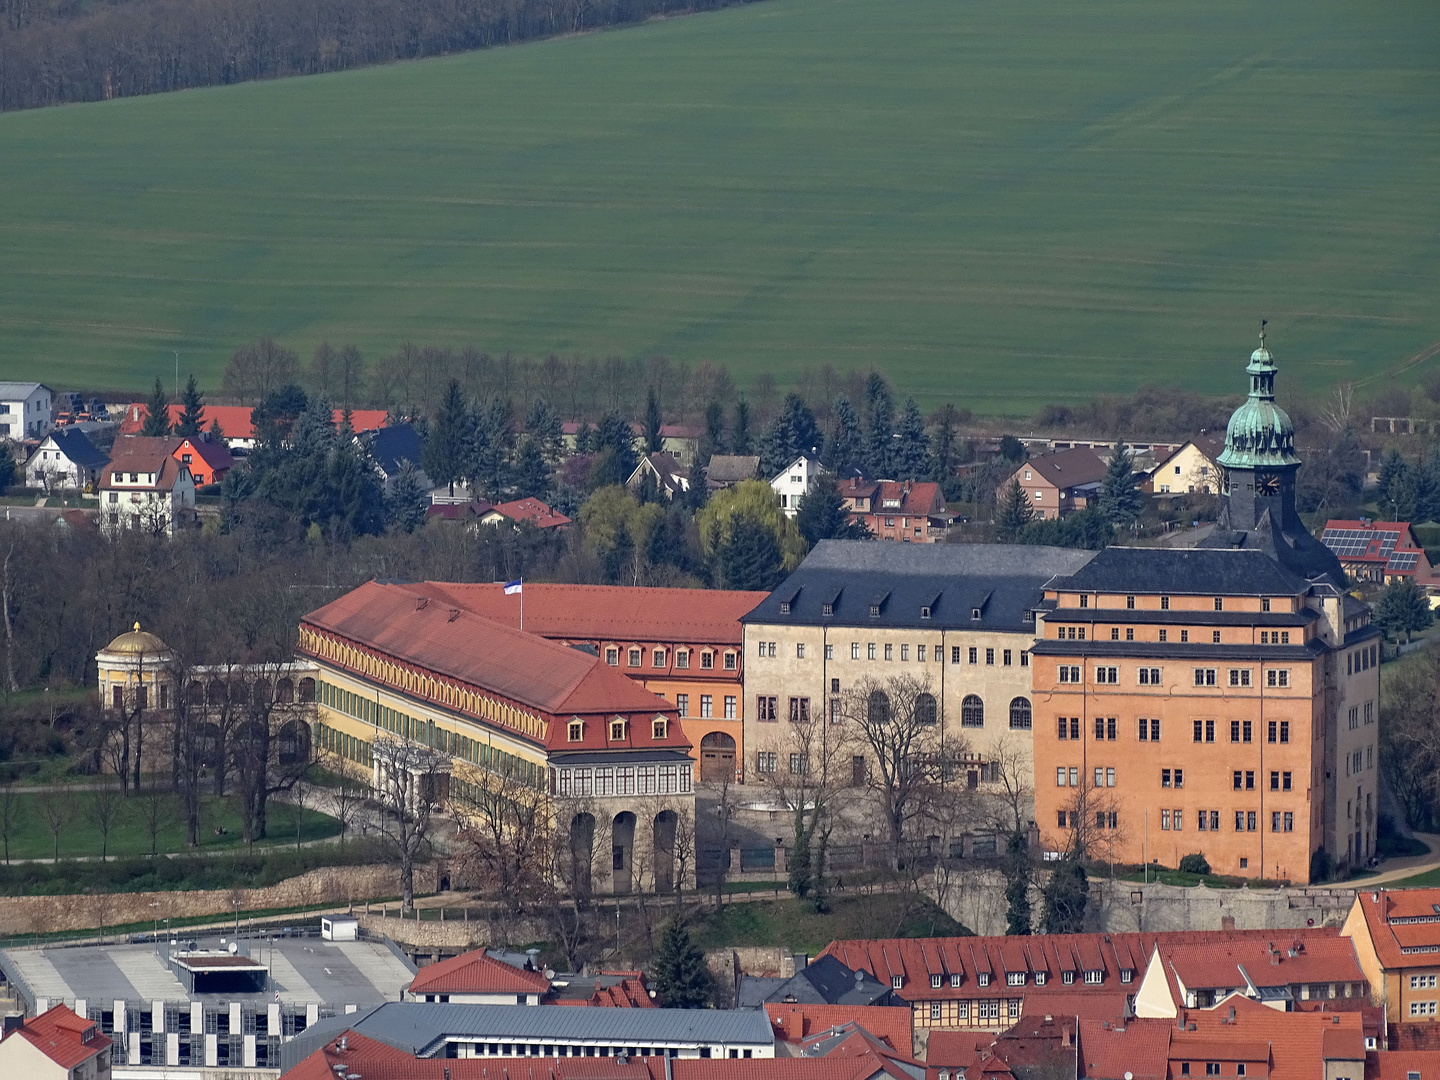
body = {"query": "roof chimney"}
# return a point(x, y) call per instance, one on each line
point(532, 959)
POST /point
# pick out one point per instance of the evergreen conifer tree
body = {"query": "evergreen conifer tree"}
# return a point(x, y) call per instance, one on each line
point(157, 413)
point(1066, 895)
point(407, 502)
point(1120, 498)
point(793, 432)
point(192, 418)
point(713, 441)
point(543, 426)
point(619, 558)
point(1017, 885)
point(490, 451)
point(448, 446)
point(880, 428)
point(845, 445)
point(678, 971)
point(740, 440)
point(654, 441)
point(750, 557)
point(215, 431)
point(1013, 513)
point(946, 452)
point(533, 475)
point(911, 456)
point(823, 516)
point(1392, 467)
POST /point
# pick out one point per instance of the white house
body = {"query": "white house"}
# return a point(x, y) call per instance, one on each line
point(65, 461)
point(796, 481)
point(24, 410)
point(146, 487)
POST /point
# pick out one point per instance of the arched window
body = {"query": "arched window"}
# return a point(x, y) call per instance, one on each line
point(195, 694)
point(972, 712)
point(1020, 714)
point(285, 691)
point(294, 743)
point(215, 692)
point(307, 689)
point(261, 690)
point(238, 692)
point(925, 712)
point(877, 709)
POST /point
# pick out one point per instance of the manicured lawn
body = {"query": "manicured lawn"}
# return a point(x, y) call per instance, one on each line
point(1003, 202)
point(80, 836)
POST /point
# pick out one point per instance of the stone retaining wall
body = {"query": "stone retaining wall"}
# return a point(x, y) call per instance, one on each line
point(326, 885)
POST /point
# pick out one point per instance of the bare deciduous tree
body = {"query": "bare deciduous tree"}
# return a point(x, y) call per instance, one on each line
point(507, 828)
point(409, 782)
point(57, 810)
point(11, 807)
point(106, 807)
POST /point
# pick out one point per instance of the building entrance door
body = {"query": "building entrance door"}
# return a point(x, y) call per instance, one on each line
point(717, 758)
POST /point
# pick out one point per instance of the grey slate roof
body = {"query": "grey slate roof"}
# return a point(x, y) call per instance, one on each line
point(1003, 580)
point(1185, 571)
point(76, 446)
point(15, 391)
point(392, 446)
point(419, 1028)
point(825, 981)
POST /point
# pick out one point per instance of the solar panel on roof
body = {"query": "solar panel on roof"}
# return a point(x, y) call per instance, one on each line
point(1352, 542)
point(1404, 560)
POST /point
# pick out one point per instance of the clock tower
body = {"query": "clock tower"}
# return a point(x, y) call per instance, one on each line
point(1257, 481)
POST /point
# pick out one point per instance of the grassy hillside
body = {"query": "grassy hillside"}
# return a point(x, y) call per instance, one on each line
point(1000, 202)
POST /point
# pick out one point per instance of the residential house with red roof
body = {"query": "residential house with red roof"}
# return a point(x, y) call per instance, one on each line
point(1280, 970)
point(528, 511)
point(912, 512)
point(1396, 934)
point(1380, 551)
point(987, 983)
point(795, 1022)
point(145, 486)
point(515, 715)
point(207, 458)
point(56, 1045)
point(235, 424)
point(1058, 484)
point(686, 645)
point(477, 978)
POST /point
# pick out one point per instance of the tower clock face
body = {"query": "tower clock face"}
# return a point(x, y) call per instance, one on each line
point(1267, 483)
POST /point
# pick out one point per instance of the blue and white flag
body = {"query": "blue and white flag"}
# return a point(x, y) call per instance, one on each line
point(512, 587)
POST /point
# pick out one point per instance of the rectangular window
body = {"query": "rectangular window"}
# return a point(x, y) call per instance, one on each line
point(1062, 727)
point(707, 706)
point(730, 661)
point(657, 658)
point(1099, 728)
point(799, 653)
point(1107, 675)
point(904, 652)
point(1165, 820)
point(729, 707)
point(1074, 776)
point(1369, 712)
point(1249, 779)
point(1239, 676)
point(765, 709)
point(1250, 821)
point(1184, 635)
point(990, 656)
point(799, 710)
point(799, 764)
point(889, 651)
point(612, 657)
point(829, 652)
point(1060, 776)
point(1284, 731)
point(682, 705)
point(870, 651)
point(765, 761)
point(1109, 777)
point(1144, 726)
point(1204, 676)
point(1005, 657)
point(1164, 777)
point(920, 654)
point(1277, 677)
point(1150, 676)
point(1110, 728)
point(634, 658)
point(854, 650)
point(682, 656)
point(707, 659)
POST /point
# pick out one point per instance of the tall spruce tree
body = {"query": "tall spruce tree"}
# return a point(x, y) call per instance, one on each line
point(448, 447)
point(713, 441)
point(491, 450)
point(192, 417)
point(654, 440)
point(879, 428)
point(793, 432)
point(845, 446)
point(1403, 609)
point(543, 427)
point(1013, 513)
point(157, 413)
point(678, 971)
point(1017, 885)
point(1120, 499)
point(911, 457)
point(407, 501)
point(1066, 896)
point(740, 438)
point(533, 476)
point(750, 557)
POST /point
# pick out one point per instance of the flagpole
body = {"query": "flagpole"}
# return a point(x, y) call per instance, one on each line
point(522, 601)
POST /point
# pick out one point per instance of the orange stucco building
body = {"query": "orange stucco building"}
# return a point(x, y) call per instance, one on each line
point(1220, 700)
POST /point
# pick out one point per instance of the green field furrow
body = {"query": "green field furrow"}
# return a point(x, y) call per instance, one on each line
point(999, 202)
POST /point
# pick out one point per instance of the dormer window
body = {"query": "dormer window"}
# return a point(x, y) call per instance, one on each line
point(577, 730)
point(1015, 978)
point(936, 981)
point(974, 613)
point(955, 981)
point(1264, 603)
point(707, 661)
point(659, 658)
point(729, 661)
point(1039, 978)
point(925, 612)
point(617, 730)
point(827, 609)
point(612, 656)
point(785, 607)
point(982, 978)
point(1067, 977)
point(1093, 976)
point(682, 658)
point(874, 611)
point(1127, 975)
point(634, 657)
point(659, 727)
point(897, 981)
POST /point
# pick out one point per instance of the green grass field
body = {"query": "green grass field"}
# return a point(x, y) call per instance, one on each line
point(999, 202)
point(130, 835)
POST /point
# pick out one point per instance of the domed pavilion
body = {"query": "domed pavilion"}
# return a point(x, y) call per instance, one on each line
point(134, 671)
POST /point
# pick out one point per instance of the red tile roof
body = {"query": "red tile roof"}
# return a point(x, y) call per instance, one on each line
point(235, 419)
point(956, 1048)
point(1067, 468)
point(612, 612)
point(404, 624)
point(796, 1021)
point(1052, 953)
point(1297, 1040)
point(476, 973)
point(1217, 964)
point(903, 497)
point(1399, 1064)
point(1138, 1047)
point(532, 511)
point(215, 453)
point(61, 1036)
point(145, 454)
point(1383, 907)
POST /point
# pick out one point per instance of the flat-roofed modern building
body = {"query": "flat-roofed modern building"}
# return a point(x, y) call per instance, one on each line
point(194, 1005)
point(958, 617)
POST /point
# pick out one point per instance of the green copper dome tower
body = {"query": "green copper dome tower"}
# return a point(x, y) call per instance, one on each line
point(1257, 480)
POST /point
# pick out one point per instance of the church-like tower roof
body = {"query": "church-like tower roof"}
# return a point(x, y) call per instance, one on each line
point(1260, 434)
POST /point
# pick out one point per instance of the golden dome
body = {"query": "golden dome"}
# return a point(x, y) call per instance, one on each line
point(138, 641)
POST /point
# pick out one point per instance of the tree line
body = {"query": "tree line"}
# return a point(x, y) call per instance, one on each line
point(57, 51)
